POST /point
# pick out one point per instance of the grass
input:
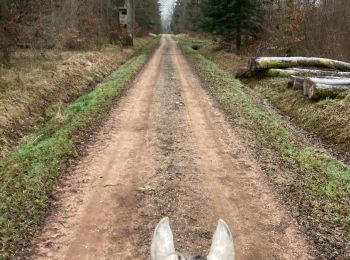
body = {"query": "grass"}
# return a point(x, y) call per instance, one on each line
point(327, 118)
point(39, 79)
point(28, 174)
point(314, 183)
point(110, 47)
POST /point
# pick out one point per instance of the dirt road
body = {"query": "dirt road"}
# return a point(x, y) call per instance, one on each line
point(167, 150)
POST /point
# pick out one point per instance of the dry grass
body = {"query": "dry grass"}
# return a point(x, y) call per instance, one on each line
point(28, 174)
point(329, 118)
point(314, 184)
point(227, 60)
point(38, 80)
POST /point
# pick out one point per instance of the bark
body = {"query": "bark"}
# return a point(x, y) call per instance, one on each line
point(130, 25)
point(319, 88)
point(238, 36)
point(296, 82)
point(300, 72)
point(320, 91)
point(286, 73)
point(262, 63)
point(6, 57)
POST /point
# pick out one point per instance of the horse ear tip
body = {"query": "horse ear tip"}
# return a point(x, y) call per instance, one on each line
point(164, 220)
point(223, 223)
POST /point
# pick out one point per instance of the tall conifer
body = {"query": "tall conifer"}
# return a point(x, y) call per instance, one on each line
point(233, 17)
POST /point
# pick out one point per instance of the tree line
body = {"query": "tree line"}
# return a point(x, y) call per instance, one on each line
point(287, 27)
point(68, 24)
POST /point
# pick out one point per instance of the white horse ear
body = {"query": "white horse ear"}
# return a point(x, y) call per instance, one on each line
point(163, 241)
point(222, 247)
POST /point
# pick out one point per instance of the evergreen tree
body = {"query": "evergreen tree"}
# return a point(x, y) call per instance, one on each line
point(148, 16)
point(2, 5)
point(186, 16)
point(233, 17)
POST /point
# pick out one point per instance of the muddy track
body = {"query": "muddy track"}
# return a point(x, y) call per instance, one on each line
point(167, 150)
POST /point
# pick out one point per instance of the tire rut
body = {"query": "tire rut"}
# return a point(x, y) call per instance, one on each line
point(177, 173)
point(167, 150)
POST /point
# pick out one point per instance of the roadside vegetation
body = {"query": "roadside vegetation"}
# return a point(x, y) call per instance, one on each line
point(269, 28)
point(328, 118)
point(55, 51)
point(28, 174)
point(239, 30)
point(37, 80)
point(315, 185)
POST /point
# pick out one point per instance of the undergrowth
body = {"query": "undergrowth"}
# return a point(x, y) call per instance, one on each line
point(313, 182)
point(39, 79)
point(329, 118)
point(29, 173)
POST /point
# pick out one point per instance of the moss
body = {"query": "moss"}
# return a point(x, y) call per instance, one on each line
point(110, 47)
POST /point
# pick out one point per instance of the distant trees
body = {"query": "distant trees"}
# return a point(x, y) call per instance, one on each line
point(233, 19)
point(307, 27)
point(12, 14)
point(187, 16)
point(68, 24)
point(285, 27)
point(148, 16)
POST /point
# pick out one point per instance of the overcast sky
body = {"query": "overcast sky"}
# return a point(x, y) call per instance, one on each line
point(166, 8)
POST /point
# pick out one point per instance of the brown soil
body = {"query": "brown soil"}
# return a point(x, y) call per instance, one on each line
point(167, 150)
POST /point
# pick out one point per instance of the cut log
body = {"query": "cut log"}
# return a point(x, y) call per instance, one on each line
point(318, 88)
point(322, 73)
point(263, 63)
point(320, 91)
point(296, 82)
point(291, 82)
point(285, 73)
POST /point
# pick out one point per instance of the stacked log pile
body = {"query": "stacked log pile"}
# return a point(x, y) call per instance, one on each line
point(318, 78)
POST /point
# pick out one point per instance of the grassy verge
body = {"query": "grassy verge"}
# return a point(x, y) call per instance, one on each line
point(314, 184)
point(329, 118)
point(28, 174)
point(40, 79)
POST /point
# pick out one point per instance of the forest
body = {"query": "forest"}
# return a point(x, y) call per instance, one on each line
point(271, 27)
point(68, 24)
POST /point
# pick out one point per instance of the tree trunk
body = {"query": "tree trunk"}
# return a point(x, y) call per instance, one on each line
point(296, 82)
point(321, 91)
point(238, 36)
point(285, 73)
point(3, 9)
point(6, 57)
point(130, 25)
point(262, 63)
point(318, 88)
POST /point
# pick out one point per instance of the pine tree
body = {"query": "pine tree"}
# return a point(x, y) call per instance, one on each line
point(148, 16)
point(233, 17)
point(186, 16)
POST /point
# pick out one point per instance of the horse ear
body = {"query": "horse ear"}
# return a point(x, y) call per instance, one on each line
point(163, 241)
point(222, 247)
